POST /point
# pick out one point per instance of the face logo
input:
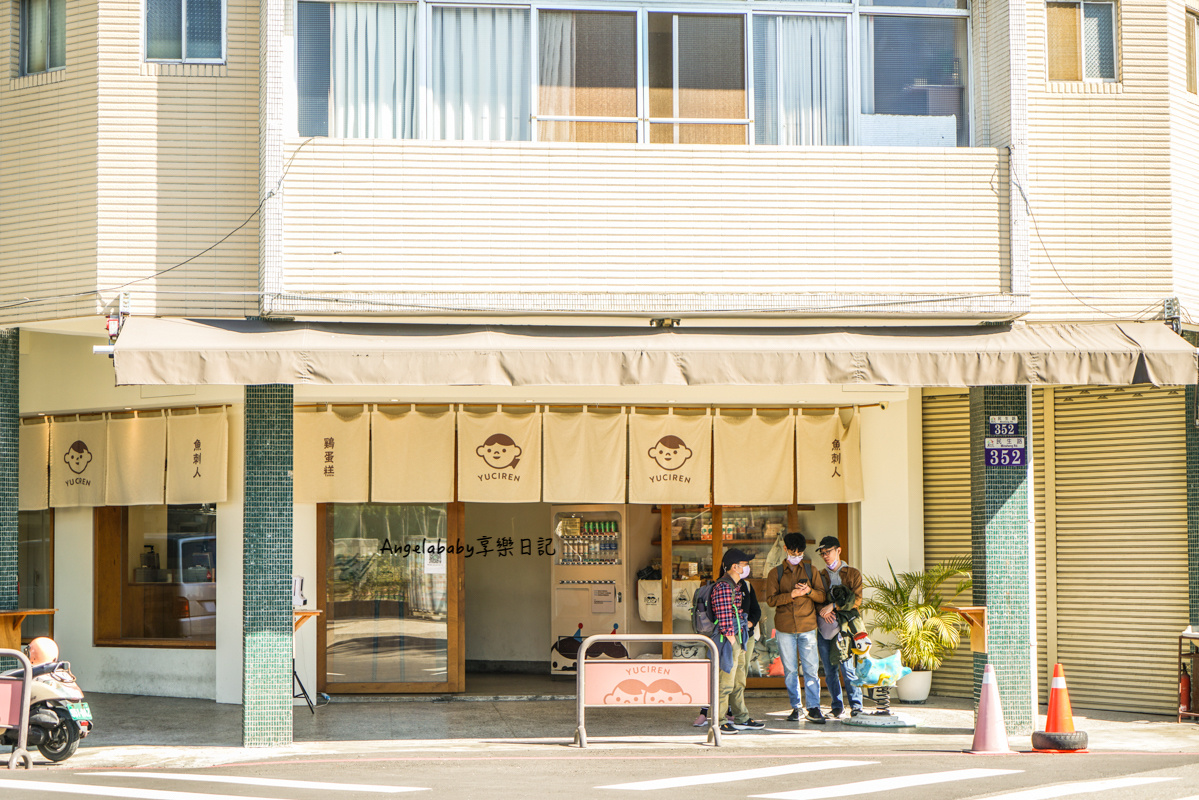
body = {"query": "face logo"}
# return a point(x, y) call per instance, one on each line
point(666, 691)
point(78, 457)
point(626, 692)
point(499, 451)
point(670, 452)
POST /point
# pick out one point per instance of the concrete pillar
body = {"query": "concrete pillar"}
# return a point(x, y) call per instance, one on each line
point(267, 568)
point(1002, 536)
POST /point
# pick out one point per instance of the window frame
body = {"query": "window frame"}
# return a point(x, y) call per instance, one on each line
point(145, 37)
point(49, 512)
point(851, 10)
point(1082, 42)
point(1192, 54)
point(110, 565)
point(23, 44)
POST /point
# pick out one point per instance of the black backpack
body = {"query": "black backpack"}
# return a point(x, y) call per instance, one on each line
point(703, 619)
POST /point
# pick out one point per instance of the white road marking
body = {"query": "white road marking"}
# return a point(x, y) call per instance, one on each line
point(739, 775)
point(1081, 787)
point(116, 791)
point(888, 784)
point(276, 782)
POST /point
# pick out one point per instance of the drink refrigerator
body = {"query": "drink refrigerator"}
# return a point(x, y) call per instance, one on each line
point(588, 578)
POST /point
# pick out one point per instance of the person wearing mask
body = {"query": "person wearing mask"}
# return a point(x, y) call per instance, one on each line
point(753, 613)
point(734, 631)
point(793, 592)
point(842, 674)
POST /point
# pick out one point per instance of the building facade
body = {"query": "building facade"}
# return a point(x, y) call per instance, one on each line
point(366, 212)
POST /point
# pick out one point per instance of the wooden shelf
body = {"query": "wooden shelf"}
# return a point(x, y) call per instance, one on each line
point(692, 542)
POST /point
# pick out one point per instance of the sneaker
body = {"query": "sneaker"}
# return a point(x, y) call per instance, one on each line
point(815, 716)
point(700, 721)
point(855, 711)
point(793, 716)
point(835, 713)
point(749, 725)
point(727, 728)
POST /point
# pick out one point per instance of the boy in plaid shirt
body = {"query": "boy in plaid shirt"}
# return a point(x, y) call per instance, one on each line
point(733, 631)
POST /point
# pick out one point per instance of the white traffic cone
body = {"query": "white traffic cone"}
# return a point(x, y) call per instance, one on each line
point(990, 734)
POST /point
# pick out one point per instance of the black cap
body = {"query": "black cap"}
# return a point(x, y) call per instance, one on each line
point(828, 543)
point(731, 557)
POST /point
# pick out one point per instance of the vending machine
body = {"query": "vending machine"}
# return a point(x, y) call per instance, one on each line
point(588, 580)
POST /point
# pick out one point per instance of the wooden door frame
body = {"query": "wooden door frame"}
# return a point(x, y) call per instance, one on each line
point(455, 615)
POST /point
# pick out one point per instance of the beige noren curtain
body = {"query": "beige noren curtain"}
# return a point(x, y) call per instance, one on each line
point(412, 456)
point(499, 457)
point(33, 468)
point(754, 457)
point(137, 449)
point(331, 455)
point(78, 454)
point(197, 456)
point(670, 458)
point(828, 458)
point(585, 457)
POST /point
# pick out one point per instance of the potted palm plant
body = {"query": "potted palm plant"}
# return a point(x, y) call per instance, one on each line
point(909, 609)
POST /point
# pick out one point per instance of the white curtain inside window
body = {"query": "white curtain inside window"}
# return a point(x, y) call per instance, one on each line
point(557, 62)
point(35, 36)
point(801, 86)
point(480, 74)
point(373, 70)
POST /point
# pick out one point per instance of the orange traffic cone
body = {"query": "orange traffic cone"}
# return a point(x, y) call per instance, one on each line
point(990, 734)
point(1059, 735)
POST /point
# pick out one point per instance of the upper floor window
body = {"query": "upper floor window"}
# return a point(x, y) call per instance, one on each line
point(1082, 41)
point(43, 35)
point(1192, 61)
point(185, 30)
point(523, 73)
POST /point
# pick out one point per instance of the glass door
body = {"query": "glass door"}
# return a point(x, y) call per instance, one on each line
point(392, 594)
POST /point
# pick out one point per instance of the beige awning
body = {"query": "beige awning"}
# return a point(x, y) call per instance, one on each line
point(238, 352)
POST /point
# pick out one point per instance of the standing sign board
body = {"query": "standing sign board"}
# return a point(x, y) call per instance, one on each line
point(1004, 447)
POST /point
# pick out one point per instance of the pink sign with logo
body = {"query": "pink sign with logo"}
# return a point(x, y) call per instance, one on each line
point(650, 683)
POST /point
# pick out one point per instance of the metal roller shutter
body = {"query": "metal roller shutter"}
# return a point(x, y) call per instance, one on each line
point(946, 442)
point(1120, 544)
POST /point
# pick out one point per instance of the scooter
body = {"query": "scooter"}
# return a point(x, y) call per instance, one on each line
point(58, 717)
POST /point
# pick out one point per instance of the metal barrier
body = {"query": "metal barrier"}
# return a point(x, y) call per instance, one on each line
point(22, 710)
point(617, 681)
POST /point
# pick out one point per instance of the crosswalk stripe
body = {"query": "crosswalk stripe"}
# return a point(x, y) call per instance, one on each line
point(115, 791)
point(276, 782)
point(1081, 787)
point(888, 784)
point(739, 775)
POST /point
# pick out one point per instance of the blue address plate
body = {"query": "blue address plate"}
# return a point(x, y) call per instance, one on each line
point(1004, 457)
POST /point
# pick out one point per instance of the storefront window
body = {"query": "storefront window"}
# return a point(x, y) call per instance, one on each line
point(35, 570)
point(156, 575)
point(386, 619)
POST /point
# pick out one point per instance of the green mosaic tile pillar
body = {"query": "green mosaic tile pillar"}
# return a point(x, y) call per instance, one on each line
point(9, 427)
point(1192, 439)
point(266, 603)
point(1001, 539)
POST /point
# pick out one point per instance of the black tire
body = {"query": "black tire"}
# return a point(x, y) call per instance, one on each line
point(1044, 740)
point(62, 741)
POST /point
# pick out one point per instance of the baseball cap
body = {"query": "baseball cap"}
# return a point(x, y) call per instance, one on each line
point(731, 557)
point(828, 543)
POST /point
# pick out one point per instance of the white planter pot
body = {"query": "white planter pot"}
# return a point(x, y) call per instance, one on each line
point(914, 688)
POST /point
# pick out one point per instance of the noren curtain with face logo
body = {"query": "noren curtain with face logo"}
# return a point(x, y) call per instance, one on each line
point(584, 456)
point(670, 458)
point(412, 455)
point(78, 452)
point(499, 457)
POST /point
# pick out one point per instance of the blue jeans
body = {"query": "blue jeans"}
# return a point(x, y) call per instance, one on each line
point(804, 646)
point(828, 654)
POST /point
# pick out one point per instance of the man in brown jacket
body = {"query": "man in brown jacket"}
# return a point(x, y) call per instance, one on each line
point(795, 593)
point(837, 572)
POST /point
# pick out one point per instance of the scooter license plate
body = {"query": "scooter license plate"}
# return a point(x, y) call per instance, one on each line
point(79, 711)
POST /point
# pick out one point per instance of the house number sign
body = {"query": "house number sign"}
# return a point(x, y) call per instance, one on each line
point(1004, 447)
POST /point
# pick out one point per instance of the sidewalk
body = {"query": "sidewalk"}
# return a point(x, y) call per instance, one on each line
point(135, 731)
